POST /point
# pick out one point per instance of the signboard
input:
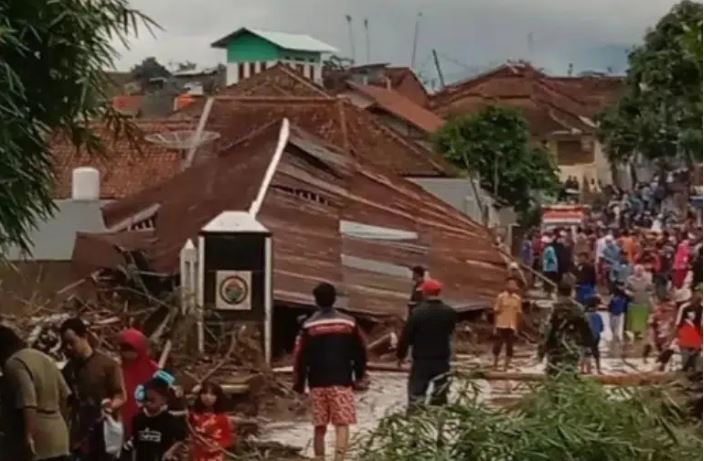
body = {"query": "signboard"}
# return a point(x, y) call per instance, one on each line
point(233, 290)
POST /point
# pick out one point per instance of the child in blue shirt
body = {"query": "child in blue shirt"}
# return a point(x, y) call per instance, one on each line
point(596, 324)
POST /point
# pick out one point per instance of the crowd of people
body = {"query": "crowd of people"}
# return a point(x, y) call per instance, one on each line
point(648, 278)
point(639, 261)
point(98, 409)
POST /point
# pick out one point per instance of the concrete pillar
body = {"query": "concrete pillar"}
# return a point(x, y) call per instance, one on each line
point(232, 74)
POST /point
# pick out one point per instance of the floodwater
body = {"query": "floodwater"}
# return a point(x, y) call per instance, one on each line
point(387, 394)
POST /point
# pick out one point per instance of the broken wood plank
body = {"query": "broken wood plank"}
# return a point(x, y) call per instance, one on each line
point(383, 344)
point(621, 379)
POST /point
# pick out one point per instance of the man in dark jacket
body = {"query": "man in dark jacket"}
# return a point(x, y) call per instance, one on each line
point(331, 356)
point(428, 332)
point(563, 253)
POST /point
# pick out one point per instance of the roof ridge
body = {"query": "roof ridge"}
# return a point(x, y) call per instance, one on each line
point(439, 164)
point(301, 79)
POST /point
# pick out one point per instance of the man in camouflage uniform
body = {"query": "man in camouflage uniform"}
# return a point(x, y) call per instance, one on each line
point(567, 334)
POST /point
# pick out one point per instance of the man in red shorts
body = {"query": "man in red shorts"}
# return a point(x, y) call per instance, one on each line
point(331, 356)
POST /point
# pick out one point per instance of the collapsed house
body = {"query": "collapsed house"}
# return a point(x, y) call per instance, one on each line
point(332, 217)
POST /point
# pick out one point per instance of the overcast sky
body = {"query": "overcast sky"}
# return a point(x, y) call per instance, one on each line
point(468, 34)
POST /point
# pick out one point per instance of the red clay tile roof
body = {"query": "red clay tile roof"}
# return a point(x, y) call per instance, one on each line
point(336, 121)
point(596, 92)
point(400, 106)
point(279, 80)
point(547, 106)
point(401, 79)
point(123, 170)
point(314, 188)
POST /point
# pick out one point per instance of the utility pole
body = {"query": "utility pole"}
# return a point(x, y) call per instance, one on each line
point(437, 67)
point(366, 31)
point(351, 34)
point(415, 39)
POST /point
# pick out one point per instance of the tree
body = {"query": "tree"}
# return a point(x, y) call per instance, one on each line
point(495, 144)
point(53, 55)
point(148, 69)
point(660, 113)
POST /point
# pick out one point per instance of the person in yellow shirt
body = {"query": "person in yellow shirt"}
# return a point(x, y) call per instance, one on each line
point(507, 315)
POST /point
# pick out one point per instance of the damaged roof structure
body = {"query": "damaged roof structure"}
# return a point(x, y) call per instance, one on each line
point(334, 217)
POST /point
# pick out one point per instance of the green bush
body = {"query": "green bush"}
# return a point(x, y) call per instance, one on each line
point(566, 418)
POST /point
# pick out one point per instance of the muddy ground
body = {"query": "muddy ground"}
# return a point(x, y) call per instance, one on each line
point(286, 419)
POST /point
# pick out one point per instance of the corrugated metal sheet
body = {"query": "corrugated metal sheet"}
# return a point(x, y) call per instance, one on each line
point(317, 191)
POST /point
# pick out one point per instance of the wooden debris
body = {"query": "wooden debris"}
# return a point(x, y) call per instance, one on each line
point(385, 343)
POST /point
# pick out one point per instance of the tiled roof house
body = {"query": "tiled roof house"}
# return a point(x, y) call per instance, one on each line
point(560, 111)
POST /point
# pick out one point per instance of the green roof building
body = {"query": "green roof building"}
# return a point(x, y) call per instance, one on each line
point(249, 51)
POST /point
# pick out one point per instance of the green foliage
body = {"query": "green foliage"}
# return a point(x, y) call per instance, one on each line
point(566, 418)
point(52, 59)
point(495, 143)
point(151, 68)
point(661, 111)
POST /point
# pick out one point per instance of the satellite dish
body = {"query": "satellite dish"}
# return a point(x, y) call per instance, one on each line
point(182, 140)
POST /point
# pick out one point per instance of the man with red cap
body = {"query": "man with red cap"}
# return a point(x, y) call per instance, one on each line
point(428, 332)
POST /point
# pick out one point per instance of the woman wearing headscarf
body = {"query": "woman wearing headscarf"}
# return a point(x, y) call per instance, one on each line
point(137, 369)
point(681, 264)
point(639, 287)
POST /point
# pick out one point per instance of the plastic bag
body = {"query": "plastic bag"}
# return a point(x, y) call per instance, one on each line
point(112, 435)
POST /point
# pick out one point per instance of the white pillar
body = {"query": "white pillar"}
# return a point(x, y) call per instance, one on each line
point(189, 277)
point(318, 72)
point(233, 73)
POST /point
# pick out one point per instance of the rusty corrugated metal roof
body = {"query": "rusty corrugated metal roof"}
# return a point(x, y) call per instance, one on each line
point(316, 189)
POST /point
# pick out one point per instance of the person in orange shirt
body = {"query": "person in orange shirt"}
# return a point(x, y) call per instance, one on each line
point(507, 315)
point(628, 245)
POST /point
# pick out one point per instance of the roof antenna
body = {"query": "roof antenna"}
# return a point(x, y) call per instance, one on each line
point(437, 67)
point(415, 39)
point(351, 33)
point(366, 31)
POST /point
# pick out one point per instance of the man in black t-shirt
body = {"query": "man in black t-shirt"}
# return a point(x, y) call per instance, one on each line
point(428, 332)
point(157, 434)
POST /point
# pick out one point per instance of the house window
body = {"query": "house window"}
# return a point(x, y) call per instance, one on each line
point(571, 152)
point(302, 194)
point(240, 71)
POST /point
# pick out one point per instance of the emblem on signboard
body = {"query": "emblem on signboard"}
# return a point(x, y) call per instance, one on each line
point(233, 290)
